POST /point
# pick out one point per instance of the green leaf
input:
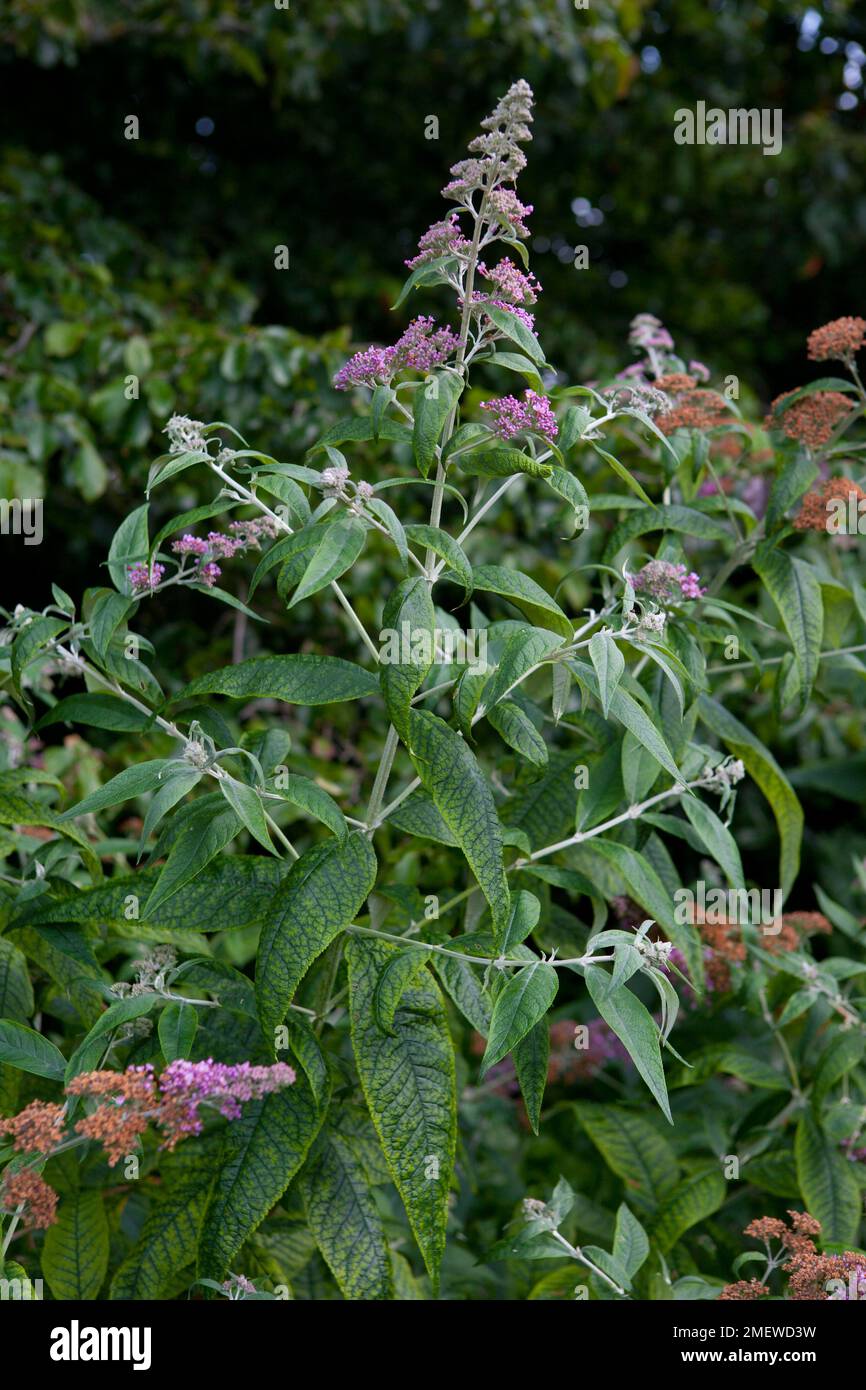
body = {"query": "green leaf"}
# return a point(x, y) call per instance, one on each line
point(609, 664)
point(841, 1055)
point(531, 1057)
point(27, 1050)
point(626, 710)
point(518, 731)
point(167, 1243)
point(827, 1182)
point(321, 895)
point(634, 1026)
point(793, 586)
point(178, 1025)
point(763, 768)
point(129, 547)
point(410, 620)
point(404, 968)
point(133, 781)
point(510, 326)
point(694, 1200)
point(358, 428)
point(339, 547)
point(86, 1056)
point(204, 835)
point(687, 521)
point(630, 1241)
point(537, 605)
point(447, 549)
point(262, 1152)
point(717, 839)
point(18, 810)
point(247, 806)
point(96, 712)
point(343, 1217)
point(299, 680)
point(75, 1254)
point(450, 774)
point(502, 463)
point(633, 1148)
point(303, 792)
point(431, 272)
point(432, 409)
point(523, 651)
point(795, 478)
point(622, 472)
point(519, 1006)
point(16, 991)
point(410, 1088)
point(647, 888)
point(229, 894)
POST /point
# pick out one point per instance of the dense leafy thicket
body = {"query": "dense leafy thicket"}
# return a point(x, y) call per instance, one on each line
point(409, 838)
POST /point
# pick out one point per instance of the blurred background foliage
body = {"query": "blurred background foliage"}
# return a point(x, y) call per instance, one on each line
point(305, 126)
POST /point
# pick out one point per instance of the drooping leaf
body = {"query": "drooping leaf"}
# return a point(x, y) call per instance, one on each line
point(299, 680)
point(450, 774)
point(409, 1085)
point(321, 895)
point(343, 1217)
point(75, 1254)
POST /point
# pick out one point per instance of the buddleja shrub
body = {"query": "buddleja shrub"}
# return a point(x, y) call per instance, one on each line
point(279, 1021)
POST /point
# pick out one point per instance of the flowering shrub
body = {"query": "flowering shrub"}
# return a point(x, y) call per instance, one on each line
point(419, 939)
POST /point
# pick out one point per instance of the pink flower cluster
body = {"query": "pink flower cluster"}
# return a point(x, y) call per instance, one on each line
point(666, 582)
point(514, 286)
point(506, 204)
point(189, 1085)
point(531, 415)
point(441, 239)
point(143, 577)
point(421, 348)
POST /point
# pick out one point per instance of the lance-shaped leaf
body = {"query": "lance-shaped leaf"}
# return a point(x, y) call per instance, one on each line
point(531, 1059)
point(533, 601)
point(716, 837)
point(262, 1152)
point(523, 651)
point(793, 586)
point(231, 893)
point(451, 775)
point(827, 1182)
point(133, 781)
point(518, 731)
point(635, 1028)
point(410, 1088)
point(763, 768)
point(339, 547)
point(609, 664)
point(128, 548)
point(434, 401)
point(27, 1050)
point(446, 548)
point(343, 1217)
point(321, 895)
point(75, 1254)
point(407, 655)
point(168, 1242)
point(502, 463)
point(626, 710)
point(518, 1007)
point(692, 1201)
point(203, 836)
point(304, 679)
